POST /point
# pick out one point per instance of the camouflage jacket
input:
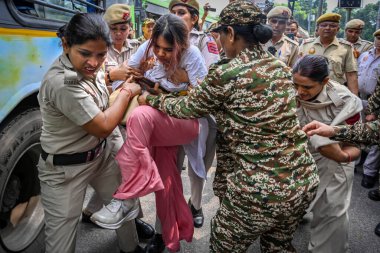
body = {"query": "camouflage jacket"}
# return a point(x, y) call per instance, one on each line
point(368, 133)
point(374, 101)
point(253, 100)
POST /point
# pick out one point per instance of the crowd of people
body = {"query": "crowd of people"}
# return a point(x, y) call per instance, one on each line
point(248, 90)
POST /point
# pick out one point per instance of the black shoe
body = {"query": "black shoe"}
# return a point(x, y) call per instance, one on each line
point(374, 195)
point(86, 218)
point(368, 181)
point(138, 249)
point(377, 230)
point(198, 217)
point(155, 245)
point(144, 230)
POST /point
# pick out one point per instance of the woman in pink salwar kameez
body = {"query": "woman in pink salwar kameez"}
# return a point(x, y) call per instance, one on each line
point(148, 158)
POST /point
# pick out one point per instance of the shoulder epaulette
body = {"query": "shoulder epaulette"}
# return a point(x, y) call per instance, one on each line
point(291, 41)
point(308, 40)
point(345, 42)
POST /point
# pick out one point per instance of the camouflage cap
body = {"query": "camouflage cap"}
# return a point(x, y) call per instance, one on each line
point(212, 27)
point(117, 13)
point(148, 21)
point(376, 33)
point(355, 24)
point(189, 3)
point(280, 12)
point(332, 17)
point(240, 12)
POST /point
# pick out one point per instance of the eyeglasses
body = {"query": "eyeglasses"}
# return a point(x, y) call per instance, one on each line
point(277, 21)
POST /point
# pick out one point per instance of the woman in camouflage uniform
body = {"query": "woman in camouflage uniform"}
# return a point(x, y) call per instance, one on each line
point(266, 176)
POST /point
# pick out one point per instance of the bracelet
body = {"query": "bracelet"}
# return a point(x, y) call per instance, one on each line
point(349, 156)
point(109, 76)
point(127, 90)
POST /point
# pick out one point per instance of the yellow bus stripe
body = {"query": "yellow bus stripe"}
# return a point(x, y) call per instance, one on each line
point(26, 32)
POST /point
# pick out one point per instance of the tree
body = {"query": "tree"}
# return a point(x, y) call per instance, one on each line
point(368, 14)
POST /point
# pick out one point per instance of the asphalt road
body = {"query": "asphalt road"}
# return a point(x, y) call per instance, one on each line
point(364, 215)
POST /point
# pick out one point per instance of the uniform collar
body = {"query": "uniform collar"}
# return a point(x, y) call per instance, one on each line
point(334, 42)
point(282, 39)
point(126, 47)
point(257, 52)
point(70, 74)
point(195, 31)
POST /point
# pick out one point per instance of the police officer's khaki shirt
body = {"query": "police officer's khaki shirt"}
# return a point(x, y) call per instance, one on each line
point(67, 102)
point(340, 54)
point(362, 46)
point(334, 105)
point(116, 58)
point(287, 50)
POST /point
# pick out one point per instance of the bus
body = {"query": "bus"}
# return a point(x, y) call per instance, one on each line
point(28, 46)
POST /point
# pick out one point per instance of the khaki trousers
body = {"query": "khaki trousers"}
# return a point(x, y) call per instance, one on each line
point(63, 190)
point(329, 227)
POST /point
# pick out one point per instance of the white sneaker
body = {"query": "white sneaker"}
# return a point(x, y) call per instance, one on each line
point(116, 213)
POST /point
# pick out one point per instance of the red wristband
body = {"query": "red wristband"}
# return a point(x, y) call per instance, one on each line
point(127, 90)
point(349, 156)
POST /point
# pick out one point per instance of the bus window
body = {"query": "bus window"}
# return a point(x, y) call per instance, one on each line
point(58, 10)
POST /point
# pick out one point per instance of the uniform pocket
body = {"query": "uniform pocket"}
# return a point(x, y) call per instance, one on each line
point(336, 67)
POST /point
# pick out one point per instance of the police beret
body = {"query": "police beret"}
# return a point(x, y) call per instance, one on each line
point(148, 21)
point(332, 17)
point(240, 12)
point(355, 24)
point(280, 12)
point(117, 13)
point(189, 3)
point(376, 33)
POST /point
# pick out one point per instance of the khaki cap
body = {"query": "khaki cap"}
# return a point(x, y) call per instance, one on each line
point(376, 33)
point(355, 24)
point(280, 12)
point(332, 17)
point(117, 13)
point(148, 21)
point(189, 3)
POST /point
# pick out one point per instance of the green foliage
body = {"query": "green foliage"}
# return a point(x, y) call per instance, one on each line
point(368, 14)
point(302, 9)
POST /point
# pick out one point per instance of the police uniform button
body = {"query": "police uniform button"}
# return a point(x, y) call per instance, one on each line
point(312, 50)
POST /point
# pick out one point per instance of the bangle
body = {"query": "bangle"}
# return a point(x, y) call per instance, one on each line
point(127, 90)
point(349, 156)
point(109, 76)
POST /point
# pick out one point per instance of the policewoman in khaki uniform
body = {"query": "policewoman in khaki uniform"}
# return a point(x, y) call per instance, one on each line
point(76, 122)
point(281, 46)
point(327, 101)
point(352, 31)
point(343, 66)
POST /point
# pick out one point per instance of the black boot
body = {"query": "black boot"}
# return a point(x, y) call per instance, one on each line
point(155, 245)
point(368, 181)
point(144, 230)
point(198, 217)
point(374, 195)
point(377, 230)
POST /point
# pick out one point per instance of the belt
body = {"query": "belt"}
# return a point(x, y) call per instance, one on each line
point(77, 158)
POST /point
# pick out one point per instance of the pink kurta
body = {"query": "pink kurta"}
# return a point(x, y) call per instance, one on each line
point(148, 164)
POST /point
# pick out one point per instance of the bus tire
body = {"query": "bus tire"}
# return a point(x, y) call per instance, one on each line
point(21, 212)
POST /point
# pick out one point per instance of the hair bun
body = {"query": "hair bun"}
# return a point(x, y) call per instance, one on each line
point(263, 33)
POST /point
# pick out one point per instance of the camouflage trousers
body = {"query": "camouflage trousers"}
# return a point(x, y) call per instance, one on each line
point(240, 220)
